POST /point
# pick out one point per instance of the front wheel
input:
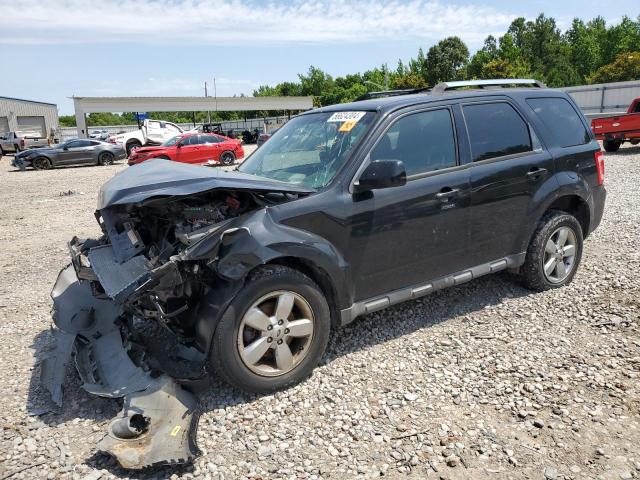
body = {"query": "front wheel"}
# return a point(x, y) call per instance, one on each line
point(611, 145)
point(41, 163)
point(554, 253)
point(273, 333)
point(131, 146)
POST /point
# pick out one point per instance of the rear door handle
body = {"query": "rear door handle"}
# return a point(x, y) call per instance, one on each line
point(446, 193)
point(536, 172)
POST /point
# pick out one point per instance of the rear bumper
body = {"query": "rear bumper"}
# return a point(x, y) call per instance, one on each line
point(598, 196)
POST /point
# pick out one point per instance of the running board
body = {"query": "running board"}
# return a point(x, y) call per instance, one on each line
point(398, 296)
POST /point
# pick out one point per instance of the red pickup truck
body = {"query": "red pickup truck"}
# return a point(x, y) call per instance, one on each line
point(614, 131)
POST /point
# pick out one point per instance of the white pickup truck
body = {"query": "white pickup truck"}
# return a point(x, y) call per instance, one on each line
point(152, 132)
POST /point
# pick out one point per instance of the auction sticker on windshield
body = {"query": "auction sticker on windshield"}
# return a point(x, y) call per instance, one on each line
point(346, 117)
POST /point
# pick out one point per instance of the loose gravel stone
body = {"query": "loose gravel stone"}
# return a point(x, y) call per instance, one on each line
point(500, 381)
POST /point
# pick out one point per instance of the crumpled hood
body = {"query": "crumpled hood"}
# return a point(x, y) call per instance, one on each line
point(157, 177)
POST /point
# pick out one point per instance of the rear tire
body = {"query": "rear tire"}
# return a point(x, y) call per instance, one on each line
point(131, 146)
point(227, 158)
point(287, 357)
point(105, 158)
point(16, 148)
point(41, 163)
point(611, 145)
point(554, 253)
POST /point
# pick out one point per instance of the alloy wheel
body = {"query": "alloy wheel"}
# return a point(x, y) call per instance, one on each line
point(275, 333)
point(560, 254)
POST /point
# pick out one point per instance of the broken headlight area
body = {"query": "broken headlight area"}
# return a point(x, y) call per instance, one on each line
point(126, 315)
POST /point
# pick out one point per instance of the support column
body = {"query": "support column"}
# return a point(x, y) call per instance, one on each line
point(81, 119)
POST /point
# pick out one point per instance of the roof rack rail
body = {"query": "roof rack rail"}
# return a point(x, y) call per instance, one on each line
point(499, 82)
point(390, 93)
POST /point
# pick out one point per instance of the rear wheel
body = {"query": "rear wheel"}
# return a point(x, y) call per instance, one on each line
point(131, 146)
point(611, 145)
point(554, 253)
point(105, 158)
point(16, 148)
point(273, 333)
point(41, 163)
point(227, 158)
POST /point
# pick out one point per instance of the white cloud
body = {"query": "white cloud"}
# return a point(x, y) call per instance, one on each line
point(243, 23)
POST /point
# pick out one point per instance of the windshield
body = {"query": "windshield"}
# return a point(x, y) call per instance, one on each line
point(172, 141)
point(309, 149)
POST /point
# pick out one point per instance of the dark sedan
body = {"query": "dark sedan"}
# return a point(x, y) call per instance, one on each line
point(72, 152)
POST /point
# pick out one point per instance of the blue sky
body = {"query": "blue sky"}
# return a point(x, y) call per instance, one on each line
point(60, 48)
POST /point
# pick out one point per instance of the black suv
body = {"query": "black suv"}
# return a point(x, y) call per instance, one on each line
point(344, 211)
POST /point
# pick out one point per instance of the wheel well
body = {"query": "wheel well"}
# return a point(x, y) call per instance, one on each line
point(575, 206)
point(319, 276)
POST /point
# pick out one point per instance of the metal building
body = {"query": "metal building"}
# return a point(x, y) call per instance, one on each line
point(17, 115)
point(602, 99)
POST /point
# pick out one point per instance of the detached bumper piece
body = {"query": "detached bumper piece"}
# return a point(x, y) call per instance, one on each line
point(158, 422)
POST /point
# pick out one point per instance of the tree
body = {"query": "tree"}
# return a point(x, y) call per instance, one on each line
point(626, 66)
point(501, 68)
point(586, 44)
point(486, 54)
point(446, 61)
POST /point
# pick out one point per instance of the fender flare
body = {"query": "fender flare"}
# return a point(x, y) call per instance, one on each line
point(562, 184)
point(251, 241)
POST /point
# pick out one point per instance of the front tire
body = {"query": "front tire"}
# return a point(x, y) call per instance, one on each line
point(611, 145)
point(554, 253)
point(273, 333)
point(131, 146)
point(41, 163)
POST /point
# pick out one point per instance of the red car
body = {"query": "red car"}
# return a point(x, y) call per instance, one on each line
point(194, 148)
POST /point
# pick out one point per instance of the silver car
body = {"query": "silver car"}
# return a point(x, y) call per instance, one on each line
point(72, 152)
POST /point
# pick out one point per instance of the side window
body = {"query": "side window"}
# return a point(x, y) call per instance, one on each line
point(637, 108)
point(423, 141)
point(495, 129)
point(172, 128)
point(561, 119)
point(74, 144)
point(193, 140)
point(210, 139)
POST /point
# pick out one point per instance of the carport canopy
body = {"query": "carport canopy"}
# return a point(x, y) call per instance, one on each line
point(84, 105)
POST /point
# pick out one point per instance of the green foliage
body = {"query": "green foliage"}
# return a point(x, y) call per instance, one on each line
point(626, 66)
point(446, 60)
point(528, 49)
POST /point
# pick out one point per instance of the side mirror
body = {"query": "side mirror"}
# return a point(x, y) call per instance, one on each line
point(382, 174)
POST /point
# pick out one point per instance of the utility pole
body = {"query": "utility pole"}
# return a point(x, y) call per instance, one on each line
point(215, 92)
point(206, 94)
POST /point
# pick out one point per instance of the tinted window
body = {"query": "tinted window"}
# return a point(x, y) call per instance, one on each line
point(210, 139)
point(192, 140)
point(495, 129)
point(561, 119)
point(423, 141)
point(74, 144)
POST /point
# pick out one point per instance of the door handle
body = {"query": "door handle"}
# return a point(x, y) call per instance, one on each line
point(446, 193)
point(536, 172)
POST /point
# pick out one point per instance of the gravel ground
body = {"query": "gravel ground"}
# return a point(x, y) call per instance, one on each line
point(486, 380)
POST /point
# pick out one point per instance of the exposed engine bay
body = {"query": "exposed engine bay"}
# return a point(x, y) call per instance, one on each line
point(136, 308)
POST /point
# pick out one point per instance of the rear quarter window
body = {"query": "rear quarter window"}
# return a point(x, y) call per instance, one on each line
point(495, 130)
point(561, 119)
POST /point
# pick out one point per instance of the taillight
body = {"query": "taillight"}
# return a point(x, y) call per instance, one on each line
point(599, 166)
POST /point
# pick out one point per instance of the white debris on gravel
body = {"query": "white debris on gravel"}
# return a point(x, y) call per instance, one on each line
point(486, 380)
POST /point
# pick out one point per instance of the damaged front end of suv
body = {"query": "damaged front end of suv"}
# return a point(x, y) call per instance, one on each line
point(135, 308)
